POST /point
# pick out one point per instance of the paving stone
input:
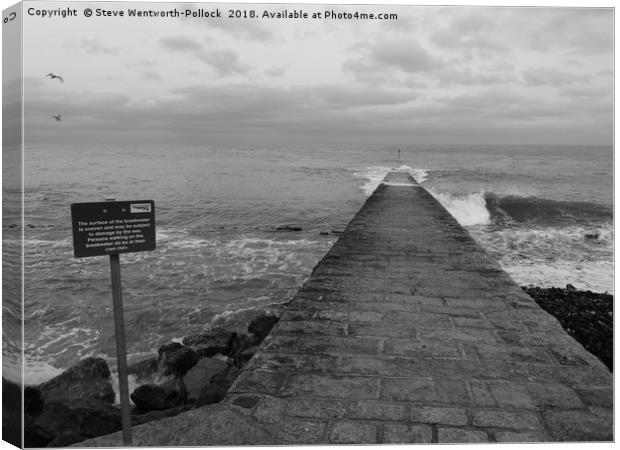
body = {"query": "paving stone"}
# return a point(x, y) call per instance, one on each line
point(424, 349)
point(312, 328)
point(387, 366)
point(269, 410)
point(365, 317)
point(315, 408)
point(358, 329)
point(481, 393)
point(511, 395)
point(521, 436)
point(331, 386)
point(353, 432)
point(585, 425)
point(406, 434)
point(298, 431)
point(261, 382)
point(409, 390)
point(596, 396)
point(460, 436)
point(378, 411)
point(453, 392)
point(439, 415)
point(506, 419)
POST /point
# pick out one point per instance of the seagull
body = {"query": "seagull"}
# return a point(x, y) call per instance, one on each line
point(52, 76)
point(57, 117)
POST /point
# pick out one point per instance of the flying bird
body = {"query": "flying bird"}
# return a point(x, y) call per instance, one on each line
point(52, 76)
point(57, 117)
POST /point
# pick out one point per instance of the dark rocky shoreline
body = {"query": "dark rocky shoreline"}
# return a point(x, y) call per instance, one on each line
point(587, 316)
point(79, 404)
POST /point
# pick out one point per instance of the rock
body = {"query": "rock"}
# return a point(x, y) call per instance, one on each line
point(150, 397)
point(33, 401)
point(570, 288)
point(261, 326)
point(244, 356)
point(241, 343)
point(226, 378)
point(64, 422)
point(211, 394)
point(212, 343)
point(65, 439)
point(144, 370)
point(11, 413)
point(289, 228)
point(199, 376)
point(176, 359)
point(89, 379)
point(324, 233)
point(35, 436)
point(593, 236)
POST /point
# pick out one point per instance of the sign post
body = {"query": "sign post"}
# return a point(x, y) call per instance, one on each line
point(111, 228)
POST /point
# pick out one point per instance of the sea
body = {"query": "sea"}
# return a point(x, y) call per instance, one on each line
point(544, 212)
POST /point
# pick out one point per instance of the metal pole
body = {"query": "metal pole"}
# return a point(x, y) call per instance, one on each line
point(121, 358)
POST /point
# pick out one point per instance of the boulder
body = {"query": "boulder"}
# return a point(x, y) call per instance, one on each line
point(149, 397)
point(244, 356)
point(211, 343)
point(261, 326)
point(144, 370)
point(64, 422)
point(33, 401)
point(199, 376)
point(176, 359)
point(89, 379)
point(226, 378)
point(241, 343)
point(210, 394)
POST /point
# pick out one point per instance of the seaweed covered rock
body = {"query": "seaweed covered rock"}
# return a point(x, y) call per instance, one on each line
point(176, 359)
point(211, 343)
point(149, 397)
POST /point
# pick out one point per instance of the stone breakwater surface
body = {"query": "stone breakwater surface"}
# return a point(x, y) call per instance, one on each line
point(405, 332)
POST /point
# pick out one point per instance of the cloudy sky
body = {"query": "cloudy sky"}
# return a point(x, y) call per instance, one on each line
point(473, 75)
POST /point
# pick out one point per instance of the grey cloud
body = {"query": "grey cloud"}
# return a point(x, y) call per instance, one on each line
point(94, 46)
point(180, 43)
point(223, 62)
point(408, 56)
point(580, 31)
point(450, 77)
point(276, 71)
point(542, 76)
point(378, 59)
point(151, 75)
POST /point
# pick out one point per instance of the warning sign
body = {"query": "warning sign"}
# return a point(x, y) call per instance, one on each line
point(106, 228)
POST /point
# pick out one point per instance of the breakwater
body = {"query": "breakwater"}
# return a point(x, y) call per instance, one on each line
point(405, 332)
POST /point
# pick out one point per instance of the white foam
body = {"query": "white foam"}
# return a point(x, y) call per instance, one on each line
point(375, 175)
point(468, 209)
point(37, 372)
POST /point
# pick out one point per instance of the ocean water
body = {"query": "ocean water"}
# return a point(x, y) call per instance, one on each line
point(544, 212)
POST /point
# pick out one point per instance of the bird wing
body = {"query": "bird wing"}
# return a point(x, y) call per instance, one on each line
point(61, 79)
